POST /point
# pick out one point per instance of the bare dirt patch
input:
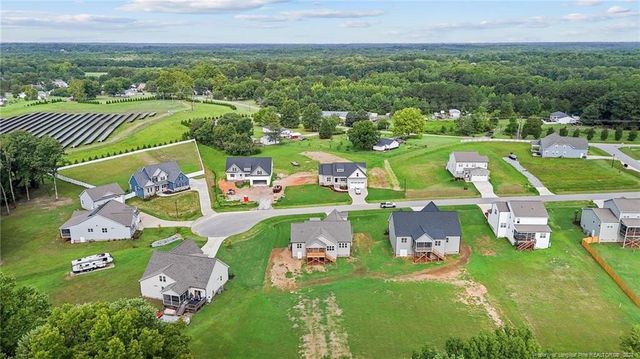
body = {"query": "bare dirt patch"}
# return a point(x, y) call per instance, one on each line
point(283, 269)
point(378, 178)
point(449, 270)
point(324, 157)
point(298, 179)
point(46, 202)
point(393, 179)
point(363, 242)
point(476, 294)
point(486, 246)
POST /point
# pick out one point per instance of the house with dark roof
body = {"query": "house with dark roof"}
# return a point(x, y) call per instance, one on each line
point(183, 278)
point(343, 176)
point(256, 170)
point(321, 241)
point(617, 221)
point(555, 145)
point(523, 223)
point(386, 144)
point(470, 166)
point(91, 198)
point(159, 178)
point(109, 221)
point(562, 118)
point(426, 235)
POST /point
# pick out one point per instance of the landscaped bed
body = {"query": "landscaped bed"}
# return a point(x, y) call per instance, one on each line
point(178, 207)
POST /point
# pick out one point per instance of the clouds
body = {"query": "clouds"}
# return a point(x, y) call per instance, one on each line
point(195, 6)
point(297, 15)
point(358, 24)
point(617, 10)
point(588, 3)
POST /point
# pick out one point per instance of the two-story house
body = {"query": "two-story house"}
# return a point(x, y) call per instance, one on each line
point(470, 166)
point(523, 223)
point(321, 241)
point(618, 221)
point(343, 176)
point(555, 145)
point(256, 170)
point(159, 178)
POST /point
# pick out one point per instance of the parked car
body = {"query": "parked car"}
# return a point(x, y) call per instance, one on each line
point(387, 205)
point(513, 156)
point(231, 192)
point(358, 191)
point(277, 188)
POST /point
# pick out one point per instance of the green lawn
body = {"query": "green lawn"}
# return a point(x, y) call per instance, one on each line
point(381, 194)
point(624, 261)
point(634, 152)
point(181, 207)
point(499, 133)
point(120, 169)
point(595, 151)
point(311, 194)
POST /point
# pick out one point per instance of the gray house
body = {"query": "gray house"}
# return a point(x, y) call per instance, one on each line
point(555, 145)
point(91, 198)
point(343, 176)
point(153, 179)
point(618, 221)
point(321, 241)
point(109, 221)
point(256, 170)
point(426, 235)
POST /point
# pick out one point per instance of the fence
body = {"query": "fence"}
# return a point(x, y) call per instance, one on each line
point(488, 139)
point(616, 278)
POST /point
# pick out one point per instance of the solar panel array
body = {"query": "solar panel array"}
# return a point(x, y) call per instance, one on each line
point(71, 129)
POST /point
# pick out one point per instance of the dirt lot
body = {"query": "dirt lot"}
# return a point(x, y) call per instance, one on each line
point(298, 179)
point(324, 157)
point(281, 263)
point(378, 178)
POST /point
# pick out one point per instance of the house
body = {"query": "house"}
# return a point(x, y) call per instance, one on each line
point(183, 278)
point(91, 198)
point(321, 241)
point(42, 95)
point(385, 144)
point(159, 178)
point(130, 92)
point(523, 223)
point(618, 221)
point(454, 113)
point(343, 176)
point(60, 83)
point(141, 86)
point(470, 166)
point(555, 145)
point(109, 221)
point(563, 118)
point(267, 141)
point(340, 114)
point(426, 235)
point(256, 170)
point(284, 132)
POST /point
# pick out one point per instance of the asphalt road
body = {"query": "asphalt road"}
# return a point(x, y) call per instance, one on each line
point(230, 223)
point(614, 150)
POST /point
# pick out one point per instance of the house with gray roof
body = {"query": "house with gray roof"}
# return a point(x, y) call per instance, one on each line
point(386, 144)
point(555, 145)
point(523, 223)
point(166, 177)
point(560, 117)
point(343, 176)
point(617, 221)
point(183, 278)
point(321, 241)
point(470, 166)
point(91, 198)
point(426, 235)
point(109, 221)
point(255, 170)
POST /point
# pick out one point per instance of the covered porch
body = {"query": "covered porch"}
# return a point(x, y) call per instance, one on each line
point(630, 233)
point(424, 251)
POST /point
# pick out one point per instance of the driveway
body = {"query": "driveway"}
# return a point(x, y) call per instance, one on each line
point(149, 221)
point(211, 247)
point(200, 186)
point(614, 150)
point(485, 188)
point(533, 180)
point(358, 198)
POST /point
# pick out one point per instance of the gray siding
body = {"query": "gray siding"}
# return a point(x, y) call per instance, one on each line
point(563, 151)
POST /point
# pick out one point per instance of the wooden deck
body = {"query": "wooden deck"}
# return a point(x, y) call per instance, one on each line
point(318, 257)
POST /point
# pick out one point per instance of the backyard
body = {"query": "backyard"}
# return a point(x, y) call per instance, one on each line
point(178, 207)
point(624, 261)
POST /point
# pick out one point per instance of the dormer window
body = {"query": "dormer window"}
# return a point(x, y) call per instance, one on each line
point(162, 278)
point(259, 172)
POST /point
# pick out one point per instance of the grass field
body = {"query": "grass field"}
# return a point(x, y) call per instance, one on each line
point(311, 194)
point(499, 133)
point(120, 169)
point(181, 207)
point(624, 261)
point(633, 152)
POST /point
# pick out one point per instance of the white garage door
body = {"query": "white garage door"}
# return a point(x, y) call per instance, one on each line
point(357, 184)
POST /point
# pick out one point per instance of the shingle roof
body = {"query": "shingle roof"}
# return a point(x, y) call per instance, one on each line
point(341, 169)
point(106, 191)
point(532, 228)
point(113, 210)
point(336, 216)
point(627, 204)
point(333, 229)
point(435, 223)
point(248, 164)
point(502, 206)
point(631, 222)
point(385, 142)
point(144, 175)
point(528, 209)
point(554, 138)
point(559, 114)
point(604, 214)
point(469, 157)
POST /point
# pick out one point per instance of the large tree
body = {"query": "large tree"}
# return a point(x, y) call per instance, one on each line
point(363, 135)
point(265, 115)
point(290, 114)
point(327, 127)
point(533, 127)
point(408, 121)
point(311, 117)
point(49, 156)
point(356, 116)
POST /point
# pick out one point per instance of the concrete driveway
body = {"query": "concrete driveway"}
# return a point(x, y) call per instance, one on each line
point(200, 186)
point(614, 150)
point(485, 188)
point(533, 180)
point(358, 198)
point(149, 221)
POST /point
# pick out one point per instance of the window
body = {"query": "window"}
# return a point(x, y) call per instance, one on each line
point(543, 235)
point(104, 230)
point(446, 240)
point(403, 240)
point(298, 245)
point(343, 245)
point(232, 176)
point(517, 220)
point(438, 243)
point(331, 248)
point(162, 279)
point(259, 172)
point(90, 230)
point(220, 278)
point(503, 225)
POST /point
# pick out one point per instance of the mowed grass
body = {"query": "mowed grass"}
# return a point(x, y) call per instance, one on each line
point(120, 169)
point(570, 304)
point(181, 207)
point(311, 194)
point(633, 152)
point(624, 261)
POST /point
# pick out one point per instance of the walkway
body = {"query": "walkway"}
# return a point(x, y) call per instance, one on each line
point(485, 188)
point(149, 221)
point(614, 150)
point(211, 247)
point(358, 198)
point(533, 180)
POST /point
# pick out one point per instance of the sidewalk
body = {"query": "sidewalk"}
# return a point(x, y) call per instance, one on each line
point(533, 180)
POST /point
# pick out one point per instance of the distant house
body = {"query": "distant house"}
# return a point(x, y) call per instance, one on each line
point(320, 241)
point(426, 235)
point(563, 118)
point(340, 114)
point(454, 113)
point(343, 175)
point(256, 170)
point(523, 223)
point(555, 145)
point(42, 95)
point(60, 83)
point(183, 278)
point(284, 132)
point(470, 166)
point(386, 144)
point(618, 221)
point(451, 114)
point(91, 198)
point(130, 92)
point(159, 178)
point(141, 86)
point(267, 141)
point(109, 221)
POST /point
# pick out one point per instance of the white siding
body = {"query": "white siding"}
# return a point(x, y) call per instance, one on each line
point(152, 286)
point(81, 232)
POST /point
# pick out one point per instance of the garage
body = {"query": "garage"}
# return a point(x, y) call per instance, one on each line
point(259, 182)
point(353, 184)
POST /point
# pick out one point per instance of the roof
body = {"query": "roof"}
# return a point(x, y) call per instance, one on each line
point(556, 139)
point(143, 175)
point(631, 222)
point(430, 220)
point(248, 164)
point(559, 114)
point(106, 191)
point(502, 206)
point(341, 169)
point(532, 228)
point(604, 214)
point(469, 157)
point(186, 264)
point(332, 113)
point(335, 228)
point(479, 171)
point(626, 204)
point(113, 210)
point(528, 209)
point(385, 142)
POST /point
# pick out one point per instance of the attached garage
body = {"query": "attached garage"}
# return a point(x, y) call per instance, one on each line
point(259, 182)
point(359, 183)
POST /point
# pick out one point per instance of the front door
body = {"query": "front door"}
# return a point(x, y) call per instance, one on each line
point(197, 294)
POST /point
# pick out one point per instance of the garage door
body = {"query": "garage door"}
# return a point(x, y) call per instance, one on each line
point(259, 182)
point(357, 184)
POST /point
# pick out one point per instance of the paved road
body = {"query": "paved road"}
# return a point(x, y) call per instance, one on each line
point(230, 223)
point(535, 182)
point(614, 150)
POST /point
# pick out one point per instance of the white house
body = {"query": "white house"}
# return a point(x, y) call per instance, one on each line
point(183, 277)
point(562, 118)
point(94, 197)
point(343, 176)
point(454, 113)
point(618, 221)
point(109, 221)
point(256, 170)
point(470, 166)
point(267, 141)
point(386, 144)
point(523, 223)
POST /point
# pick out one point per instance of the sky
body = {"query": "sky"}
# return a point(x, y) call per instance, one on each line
point(282, 21)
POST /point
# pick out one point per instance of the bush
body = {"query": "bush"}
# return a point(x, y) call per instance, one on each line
point(618, 134)
point(633, 134)
point(604, 134)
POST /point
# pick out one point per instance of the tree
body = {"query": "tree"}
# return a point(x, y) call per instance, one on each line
point(49, 156)
point(363, 135)
point(512, 127)
point(591, 132)
point(408, 121)
point(550, 130)
point(604, 134)
point(30, 93)
point(290, 114)
point(22, 309)
point(174, 82)
point(618, 134)
point(327, 127)
point(116, 85)
point(576, 132)
point(83, 90)
point(356, 116)
point(383, 124)
point(633, 134)
point(311, 117)
point(265, 115)
point(533, 127)
point(126, 328)
point(275, 129)
point(630, 343)
point(240, 145)
point(564, 131)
